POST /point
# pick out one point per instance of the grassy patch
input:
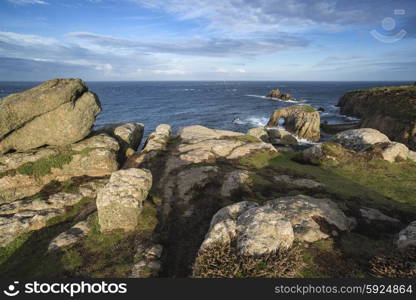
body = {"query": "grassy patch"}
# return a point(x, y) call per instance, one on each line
point(307, 108)
point(242, 138)
point(44, 165)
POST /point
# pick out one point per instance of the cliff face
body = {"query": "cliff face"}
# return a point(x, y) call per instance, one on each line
point(391, 110)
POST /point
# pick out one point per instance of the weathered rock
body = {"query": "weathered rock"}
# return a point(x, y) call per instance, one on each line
point(391, 110)
point(301, 120)
point(327, 152)
point(277, 94)
point(223, 228)
point(260, 133)
point(68, 123)
point(199, 144)
point(281, 137)
point(275, 225)
point(407, 237)
point(372, 214)
point(120, 202)
point(20, 217)
point(155, 144)
point(190, 178)
point(360, 139)
point(298, 182)
point(262, 230)
point(233, 181)
point(128, 135)
point(70, 237)
point(394, 151)
point(18, 109)
point(304, 213)
point(22, 222)
point(25, 175)
point(158, 139)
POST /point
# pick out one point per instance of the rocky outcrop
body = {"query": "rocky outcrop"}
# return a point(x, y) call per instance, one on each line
point(302, 183)
point(25, 174)
point(120, 202)
point(360, 139)
point(128, 135)
point(56, 113)
point(368, 139)
point(281, 137)
point(22, 216)
point(71, 236)
point(407, 237)
point(260, 133)
point(277, 94)
point(276, 224)
point(390, 110)
point(233, 181)
point(307, 215)
point(154, 146)
point(263, 230)
point(301, 120)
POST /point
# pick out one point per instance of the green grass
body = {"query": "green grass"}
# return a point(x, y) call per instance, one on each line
point(44, 166)
point(307, 108)
point(243, 138)
point(375, 183)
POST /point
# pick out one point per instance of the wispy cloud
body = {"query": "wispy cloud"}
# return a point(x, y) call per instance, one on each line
point(190, 46)
point(23, 2)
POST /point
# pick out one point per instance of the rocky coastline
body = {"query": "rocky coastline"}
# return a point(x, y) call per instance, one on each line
point(203, 202)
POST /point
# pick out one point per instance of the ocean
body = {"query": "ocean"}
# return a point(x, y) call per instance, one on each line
point(229, 105)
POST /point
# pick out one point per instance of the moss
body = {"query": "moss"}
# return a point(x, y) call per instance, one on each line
point(148, 217)
point(243, 138)
point(72, 211)
point(44, 165)
point(257, 160)
point(307, 108)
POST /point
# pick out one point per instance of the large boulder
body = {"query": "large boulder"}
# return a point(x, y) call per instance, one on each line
point(301, 120)
point(56, 113)
point(263, 230)
point(360, 139)
point(309, 216)
point(259, 230)
point(120, 202)
point(25, 174)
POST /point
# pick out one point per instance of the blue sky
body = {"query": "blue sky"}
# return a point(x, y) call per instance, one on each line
point(208, 39)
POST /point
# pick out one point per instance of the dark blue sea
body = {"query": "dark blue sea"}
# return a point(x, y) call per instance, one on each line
point(234, 105)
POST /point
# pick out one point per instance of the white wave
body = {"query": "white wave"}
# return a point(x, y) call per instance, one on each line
point(276, 99)
point(253, 121)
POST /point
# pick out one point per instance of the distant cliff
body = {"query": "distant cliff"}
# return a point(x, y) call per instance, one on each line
point(392, 110)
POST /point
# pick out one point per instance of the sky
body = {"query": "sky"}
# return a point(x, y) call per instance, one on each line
point(109, 40)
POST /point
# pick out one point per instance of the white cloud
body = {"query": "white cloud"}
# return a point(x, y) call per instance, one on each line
point(23, 2)
point(169, 72)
